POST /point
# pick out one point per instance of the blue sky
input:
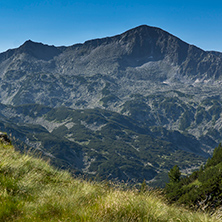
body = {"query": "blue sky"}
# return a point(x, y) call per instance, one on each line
point(66, 22)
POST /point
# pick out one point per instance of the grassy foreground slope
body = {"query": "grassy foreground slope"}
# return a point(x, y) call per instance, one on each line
point(31, 190)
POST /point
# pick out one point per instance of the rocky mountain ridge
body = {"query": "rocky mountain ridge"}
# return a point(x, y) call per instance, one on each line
point(170, 90)
point(134, 48)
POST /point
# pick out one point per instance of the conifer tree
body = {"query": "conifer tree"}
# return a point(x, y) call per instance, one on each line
point(174, 174)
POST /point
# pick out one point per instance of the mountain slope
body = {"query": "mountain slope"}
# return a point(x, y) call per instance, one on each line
point(94, 105)
point(137, 47)
point(202, 189)
point(98, 143)
point(64, 75)
point(31, 190)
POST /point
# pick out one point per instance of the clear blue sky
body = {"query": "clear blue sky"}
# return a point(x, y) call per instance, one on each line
point(66, 22)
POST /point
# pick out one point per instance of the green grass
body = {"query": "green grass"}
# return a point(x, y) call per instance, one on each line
point(31, 190)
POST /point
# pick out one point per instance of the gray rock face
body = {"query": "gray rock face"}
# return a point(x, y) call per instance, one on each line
point(170, 88)
point(64, 75)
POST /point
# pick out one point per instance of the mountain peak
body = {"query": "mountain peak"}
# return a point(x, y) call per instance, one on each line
point(144, 27)
point(29, 43)
point(39, 50)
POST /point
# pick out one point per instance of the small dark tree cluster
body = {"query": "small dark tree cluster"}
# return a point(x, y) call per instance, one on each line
point(202, 189)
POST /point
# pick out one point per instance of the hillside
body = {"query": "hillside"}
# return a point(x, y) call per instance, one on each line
point(127, 107)
point(31, 190)
point(202, 189)
point(99, 143)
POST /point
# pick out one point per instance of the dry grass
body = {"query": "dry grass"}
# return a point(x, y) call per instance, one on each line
point(31, 190)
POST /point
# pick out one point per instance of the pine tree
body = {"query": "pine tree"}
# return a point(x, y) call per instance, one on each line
point(174, 174)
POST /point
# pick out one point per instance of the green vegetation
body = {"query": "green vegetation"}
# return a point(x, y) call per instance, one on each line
point(186, 119)
point(102, 144)
point(31, 190)
point(202, 189)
